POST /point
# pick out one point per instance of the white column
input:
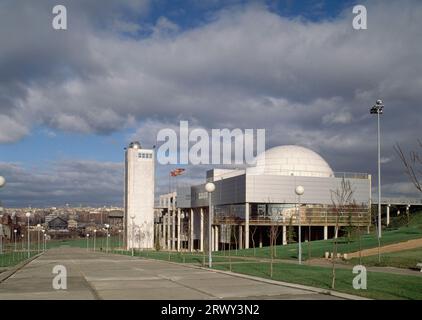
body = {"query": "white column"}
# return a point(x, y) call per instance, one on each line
point(325, 232)
point(388, 214)
point(201, 239)
point(168, 230)
point(284, 235)
point(191, 226)
point(216, 238)
point(179, 233)
point(246, 225)
point(240, 236)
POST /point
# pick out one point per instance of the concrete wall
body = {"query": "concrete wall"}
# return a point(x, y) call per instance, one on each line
point(277, 189)
point(139, 198)
point(281, 189)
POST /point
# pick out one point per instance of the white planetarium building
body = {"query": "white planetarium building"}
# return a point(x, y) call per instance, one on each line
point(247, 202)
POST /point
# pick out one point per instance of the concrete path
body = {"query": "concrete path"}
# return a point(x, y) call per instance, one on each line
point(101, 276)
point(395, 247)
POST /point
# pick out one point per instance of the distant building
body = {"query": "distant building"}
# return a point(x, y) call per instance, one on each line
point(139, 196)
point(58, 223)
point(72, 224)
point(50, 217)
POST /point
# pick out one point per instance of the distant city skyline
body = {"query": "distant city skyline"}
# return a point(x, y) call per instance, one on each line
point(70, 101)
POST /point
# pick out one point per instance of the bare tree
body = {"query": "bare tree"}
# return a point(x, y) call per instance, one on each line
point(272, 232)
point(412, 164)
point(341, 199)
point(253, 239)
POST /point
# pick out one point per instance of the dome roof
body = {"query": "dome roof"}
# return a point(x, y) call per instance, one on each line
point(291, 161)
point(135, 145)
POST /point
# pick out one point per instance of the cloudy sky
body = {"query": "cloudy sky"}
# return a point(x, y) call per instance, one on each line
point(70, 101)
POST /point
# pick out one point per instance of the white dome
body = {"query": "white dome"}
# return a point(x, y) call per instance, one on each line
point(291, 161)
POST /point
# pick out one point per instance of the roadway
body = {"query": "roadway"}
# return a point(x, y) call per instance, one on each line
point(97, 276)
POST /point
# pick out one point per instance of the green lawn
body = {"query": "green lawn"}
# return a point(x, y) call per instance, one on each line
point(379, 285)
point(318, 248)
point(11, 258)
point(403, 259)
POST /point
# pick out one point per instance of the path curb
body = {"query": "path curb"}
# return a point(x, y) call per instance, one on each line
point(7, 274)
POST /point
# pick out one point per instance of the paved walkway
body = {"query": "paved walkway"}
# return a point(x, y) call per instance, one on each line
point(101, 276)
point(395, 247)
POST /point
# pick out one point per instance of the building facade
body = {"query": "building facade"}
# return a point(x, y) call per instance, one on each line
point(139, 197)
point(247, 203)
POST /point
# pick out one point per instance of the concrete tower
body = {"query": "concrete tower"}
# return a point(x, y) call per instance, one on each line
point(139, 196)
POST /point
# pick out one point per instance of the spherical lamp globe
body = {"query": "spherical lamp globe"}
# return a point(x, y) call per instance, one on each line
point(300, 190)
point(210, 187)
point(28, 214)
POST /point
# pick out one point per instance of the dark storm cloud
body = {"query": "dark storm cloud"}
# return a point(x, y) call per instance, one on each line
point(307, 83)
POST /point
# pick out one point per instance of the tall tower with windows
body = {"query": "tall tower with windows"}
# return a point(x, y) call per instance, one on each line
point(139, 196)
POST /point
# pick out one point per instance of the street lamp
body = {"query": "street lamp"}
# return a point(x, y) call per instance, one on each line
point(299, 190)
point(87, 242)
point(28, 215)
point(120, 231)
point(133, 233)
point(209, 187)
point(378, 110)
point(38, 236)
point(95, 237)
point(14, 235)
point(43, 240)
point(1, 232)
point(107, 226)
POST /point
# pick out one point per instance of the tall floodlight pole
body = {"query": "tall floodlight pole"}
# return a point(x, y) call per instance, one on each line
point(210, 187)
point(133, 234)
point(28, 215)
point(299, 190)
point(378, 110)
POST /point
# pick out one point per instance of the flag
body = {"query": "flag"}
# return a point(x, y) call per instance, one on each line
point(177, 172)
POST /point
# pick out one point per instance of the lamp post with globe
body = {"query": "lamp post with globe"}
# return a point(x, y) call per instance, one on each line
point(95, 237)
point(299, 190)
point(107, 226)
point(38, 236)
point(43, 240)
point(28, 215)
point(210, 187)
point(14, 235)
